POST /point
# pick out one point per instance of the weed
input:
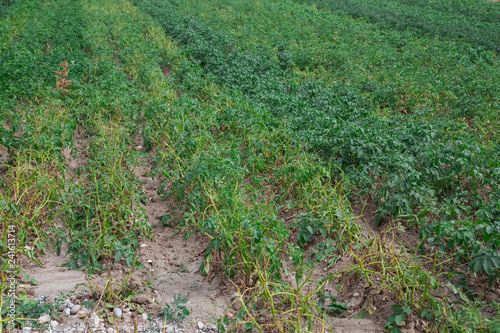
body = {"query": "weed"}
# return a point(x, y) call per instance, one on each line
point(177, 311)
point(62, 82)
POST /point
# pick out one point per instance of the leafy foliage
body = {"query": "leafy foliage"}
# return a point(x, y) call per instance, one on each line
point(178, 311)
point(472, 21)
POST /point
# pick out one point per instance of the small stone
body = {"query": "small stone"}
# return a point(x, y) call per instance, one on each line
point(27, 329)
point(75, 309)
point(210, 327)
point(236, 302)
point(355, 295)
point(69, 305)
point(127, 317)
point(45, 318)
point(325, 269)
point(200, 325)
point(95, 320)
point(54, 324)
point(62, 307)
point(169, 329)
point(118, 312)
point(110, 330)
point(82, 313)
point(138, 147)
point(66, 312)
point(123, 329)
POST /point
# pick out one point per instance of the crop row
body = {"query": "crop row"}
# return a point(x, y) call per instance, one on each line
point(81, 82)
point(425, 20)
point(418, 166)
point(58, 79)
point(230, 122)
point(392, 72)
point(486, 11)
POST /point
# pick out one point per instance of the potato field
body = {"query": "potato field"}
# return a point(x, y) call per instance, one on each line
point(249, 166)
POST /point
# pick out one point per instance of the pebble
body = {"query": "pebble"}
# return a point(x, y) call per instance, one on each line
point(127, 316)
point(66, 312)
point(110, 330)
point(54, 324)
point(118, 312)
point(95, 320)
point(75, 309)
point(210, 327)
point(236, 302)
point(45, 318)
point(122, 329)
point(169, 329)
point(200, 325)
point(138, 147)
point(62, 307)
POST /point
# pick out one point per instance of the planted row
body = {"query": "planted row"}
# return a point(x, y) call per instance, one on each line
point(486, 11)
point(414, 166)
point(423, 20)
point(65, 99)
point(393, 72)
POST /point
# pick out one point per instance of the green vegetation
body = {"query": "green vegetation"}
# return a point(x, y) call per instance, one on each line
point(474, 22)
point(266, 121)
point(422, 166)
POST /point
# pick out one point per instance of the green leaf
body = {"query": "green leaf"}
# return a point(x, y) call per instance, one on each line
point(130, 259)
point(395, 329)
point(73, 264)
point(399, 319)
point(118, 256)
point(248, 325)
